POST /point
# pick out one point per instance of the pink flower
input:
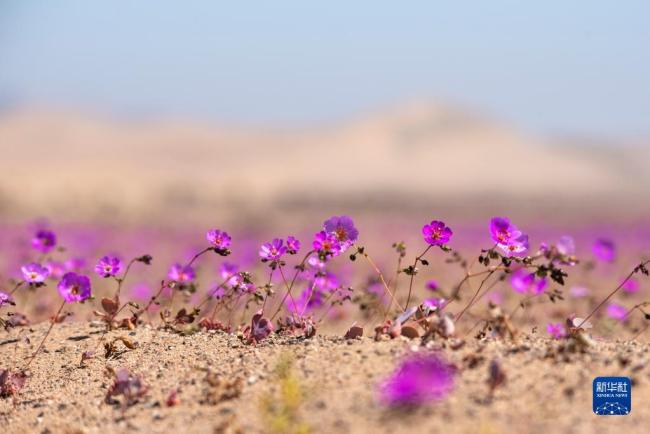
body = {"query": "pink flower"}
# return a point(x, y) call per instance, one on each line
point(5, 299)
point(220, 240)
point(503, 232)
point(523, 281)
point(74, 287)
point(108, 266)
point(343, 228)
point(432, 285)
point(510, 240)
point(293, 245)
point(604, 250)
point(566, 245)
point(556, 330)
point(631, 286)
point(419, 379)
point(181, 273)
point(56, 269)
point(616, 311)
point(326, 244)
point(273, 251)
point(44, 241)
point(516, 247)
point(34, 273)
point(436, 233)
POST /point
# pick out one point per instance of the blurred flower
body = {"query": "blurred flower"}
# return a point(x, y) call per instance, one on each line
point(326, 281)
point(56, 269)
point(228, 271)
point(74, 287)
point(273, 251)
point(141, 291)
point(436, 303)
point(616, 311)
point(523, 281)
point(293, 245)
point(5, 299)
point(432, 285)
point(566, 245)
point(436, 233)
point(34, 273)
point(44, 241)
point(631, 285)
point(579, 291)
point(327, 244)
point(108, 266)
point(75, 264)
point(418, 379)
point(181, 273)
point(343, 228)
point(218, 239)
point(604, 250)
point(556, 330)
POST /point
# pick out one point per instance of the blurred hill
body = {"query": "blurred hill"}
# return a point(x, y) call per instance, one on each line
point(74, 165)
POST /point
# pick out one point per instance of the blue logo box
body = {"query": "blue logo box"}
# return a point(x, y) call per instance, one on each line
point(612, 396)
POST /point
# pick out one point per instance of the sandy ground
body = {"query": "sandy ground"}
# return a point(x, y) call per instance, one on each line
point(546, 391)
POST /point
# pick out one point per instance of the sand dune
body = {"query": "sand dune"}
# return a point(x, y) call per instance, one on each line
point(62, 163)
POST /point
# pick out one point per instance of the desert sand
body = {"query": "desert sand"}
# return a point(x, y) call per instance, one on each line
point(223, 385)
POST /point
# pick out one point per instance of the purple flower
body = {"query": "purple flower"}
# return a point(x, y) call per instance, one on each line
point(566, 245)
point(44, 241)
point(503, 232)
point(108, 266)
point(436, 233)
point(327, 244)
point(343, 228)
point(74, 287)
point(432, 285)
point(435, 303)
point(631, 286)
point(34, 273)
point(219, 239)
point(524, 282)
point(515, 247)
point(5, 299)
point(181, 273)
point(556, 330)
point(273, 251)
point(616, 311)
point(418, 380)
point(293, 245)
point(604, 250)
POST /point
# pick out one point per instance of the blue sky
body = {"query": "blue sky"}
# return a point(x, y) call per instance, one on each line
point(551, 67)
